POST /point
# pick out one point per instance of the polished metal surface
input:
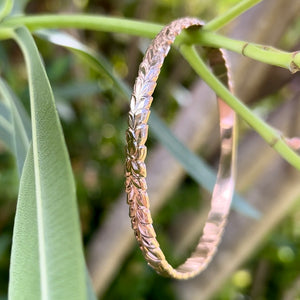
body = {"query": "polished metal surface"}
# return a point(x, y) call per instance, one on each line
point(136, 136)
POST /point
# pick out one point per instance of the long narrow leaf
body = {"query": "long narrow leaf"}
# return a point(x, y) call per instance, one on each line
point(21, 128)
point(19, 7)
point(192, 164)
point(5, 110)
point(24, 268)
point(5, 8)
point(60, 268)
point(6, 133)
point(73, 90)
point(6, 128)
point(95, 60)
point(196, 167)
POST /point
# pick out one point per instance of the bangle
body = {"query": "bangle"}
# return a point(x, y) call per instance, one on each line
point(136, 136)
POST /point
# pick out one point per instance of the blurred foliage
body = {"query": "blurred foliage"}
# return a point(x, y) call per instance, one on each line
point(94, 120)
point(273, 269)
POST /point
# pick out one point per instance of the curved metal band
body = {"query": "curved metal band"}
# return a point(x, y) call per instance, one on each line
point(136, 137)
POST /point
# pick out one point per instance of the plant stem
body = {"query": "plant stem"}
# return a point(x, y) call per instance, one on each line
point(261, 53)
point(230, 15)
point(265, 54)
point(6, 33)
point(269, 134)
point(268, 55)
point(85, 21)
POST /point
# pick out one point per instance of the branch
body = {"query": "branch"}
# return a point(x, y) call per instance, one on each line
point(230, 15)
point(261, 53)
point(269, 134)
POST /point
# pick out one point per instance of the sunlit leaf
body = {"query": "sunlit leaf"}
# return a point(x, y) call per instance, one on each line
point(52, 244)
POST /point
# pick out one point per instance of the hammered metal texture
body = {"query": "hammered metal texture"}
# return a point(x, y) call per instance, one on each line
point(136, 136)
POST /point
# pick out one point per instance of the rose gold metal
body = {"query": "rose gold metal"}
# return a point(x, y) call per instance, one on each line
point(136, 136)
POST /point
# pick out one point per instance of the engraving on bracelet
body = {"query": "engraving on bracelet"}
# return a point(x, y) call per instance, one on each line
point(136, 151)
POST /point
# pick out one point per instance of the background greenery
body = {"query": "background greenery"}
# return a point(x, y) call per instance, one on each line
point(94, 117)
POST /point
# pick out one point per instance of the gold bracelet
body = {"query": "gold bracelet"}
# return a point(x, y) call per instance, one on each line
point(136, 136)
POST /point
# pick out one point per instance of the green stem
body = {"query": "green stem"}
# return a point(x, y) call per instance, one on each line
point(265, 54)
point(84, 21)
point(269, 134)
point(230, 15)
point(205, 38)
point(6, 33)
point(261, 53)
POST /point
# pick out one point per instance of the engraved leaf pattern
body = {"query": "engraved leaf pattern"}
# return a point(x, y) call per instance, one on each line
point(136, 136)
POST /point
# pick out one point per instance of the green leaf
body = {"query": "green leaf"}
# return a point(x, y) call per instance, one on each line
point(192, 164)
point(5, 110)
point(25, 282)
point(21, 128)
point(5, 8)
point(19, 7)
point(90, 291)
point(95, 60)
point(6, 128)
point(26, 233)
point(195, 166)
point(53, 248)
point(74, 90)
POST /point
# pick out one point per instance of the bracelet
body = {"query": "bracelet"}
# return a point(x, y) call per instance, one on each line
point(136, 136)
